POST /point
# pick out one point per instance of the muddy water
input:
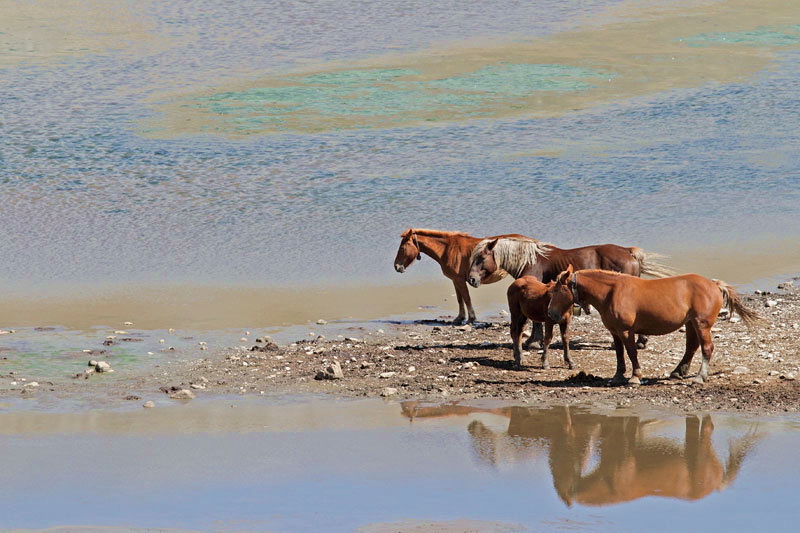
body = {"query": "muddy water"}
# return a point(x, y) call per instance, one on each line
point(344, 465)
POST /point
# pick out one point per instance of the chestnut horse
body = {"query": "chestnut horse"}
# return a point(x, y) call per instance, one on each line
point(524, 256)
point(453, 251)
point(631, 459)
point(629, 305)
point(528, 298)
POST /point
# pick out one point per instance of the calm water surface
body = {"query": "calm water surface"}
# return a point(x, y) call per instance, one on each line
point(288, 182)
point(339, 466)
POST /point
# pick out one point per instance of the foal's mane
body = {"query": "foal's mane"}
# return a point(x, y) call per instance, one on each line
point(514, 254)
point(432, 233)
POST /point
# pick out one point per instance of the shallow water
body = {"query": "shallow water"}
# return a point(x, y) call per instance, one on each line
point(104, 181)
point(342, 465)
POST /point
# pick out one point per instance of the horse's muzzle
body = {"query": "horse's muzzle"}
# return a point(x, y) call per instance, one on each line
point(475, 281)
point(400, 268)
point(554, 316)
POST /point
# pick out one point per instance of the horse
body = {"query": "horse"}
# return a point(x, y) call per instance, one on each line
point(528, 298)
point(524, 256)
point(629, 305)
point(453, 251)
point(631, 460)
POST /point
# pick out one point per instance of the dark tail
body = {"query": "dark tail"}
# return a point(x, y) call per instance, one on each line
point(648, 266)
point(733, 303)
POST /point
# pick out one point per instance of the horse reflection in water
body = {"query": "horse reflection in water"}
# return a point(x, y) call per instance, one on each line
point(629, 464)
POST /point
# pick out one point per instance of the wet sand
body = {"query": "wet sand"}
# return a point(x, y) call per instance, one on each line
point(753, 264)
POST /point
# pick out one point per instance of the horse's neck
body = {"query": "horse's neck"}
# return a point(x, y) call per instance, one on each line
point(536, 270)
point(433, 247)
point(594, 290)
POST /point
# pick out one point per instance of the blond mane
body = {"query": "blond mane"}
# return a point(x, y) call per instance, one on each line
point(513, 254)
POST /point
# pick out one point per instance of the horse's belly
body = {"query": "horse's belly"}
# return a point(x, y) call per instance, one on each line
point(657, 325)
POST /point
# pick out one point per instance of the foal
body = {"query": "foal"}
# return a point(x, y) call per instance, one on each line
point(629, 305)
point(528, 298)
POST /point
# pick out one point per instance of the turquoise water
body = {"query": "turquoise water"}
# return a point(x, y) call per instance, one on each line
point(388, 93)
point(87, 197)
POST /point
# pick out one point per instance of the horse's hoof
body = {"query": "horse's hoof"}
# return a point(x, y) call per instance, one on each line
point(458, 321)
point(698, 380)
point(634, 381)
point(570, 366)
point(617, 380)
point(545, 366)
point(676, 375)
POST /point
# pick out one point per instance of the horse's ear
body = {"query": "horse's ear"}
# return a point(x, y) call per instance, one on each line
point(564, 276)
point(491, 245)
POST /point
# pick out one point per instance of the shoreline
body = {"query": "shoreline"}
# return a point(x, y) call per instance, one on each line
point(753, 371)
point(755, 264)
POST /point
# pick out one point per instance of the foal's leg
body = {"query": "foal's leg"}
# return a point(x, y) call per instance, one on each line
point(564, 328)
point(692, 343)
point(707, 347)
point(548, 337)
point(518, 321)
point(461, 315)
point(619, 376)
point(630, 345)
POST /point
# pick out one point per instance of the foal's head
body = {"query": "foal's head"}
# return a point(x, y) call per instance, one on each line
point(408, 251)
point(561, 297)
point(483, 264)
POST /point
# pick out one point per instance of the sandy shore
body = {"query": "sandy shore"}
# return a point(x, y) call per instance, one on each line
point(752, 370)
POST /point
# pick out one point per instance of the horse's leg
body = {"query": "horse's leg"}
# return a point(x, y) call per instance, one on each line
point(548, 337)
point(691, 444)
point(641, 342)
point(518, 321)
point(692, 344)
point(619, 376)
point(630, 345)
point(468, 300)
point(536, 335)
point(564, 328)
point(707, 347)
point(461, 315)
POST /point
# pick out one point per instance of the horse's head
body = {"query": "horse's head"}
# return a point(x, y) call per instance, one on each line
point(561, 297)
point(483, 264)
point(408, 251)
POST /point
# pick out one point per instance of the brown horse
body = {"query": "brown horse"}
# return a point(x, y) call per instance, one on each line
point(632, 460)
point(524, 256)
point(629, 305)
point(528, 298)
point(453, 251)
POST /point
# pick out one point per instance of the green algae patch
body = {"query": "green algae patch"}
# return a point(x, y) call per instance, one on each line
point(372, 97)
point(640, 53)
point(521, 79)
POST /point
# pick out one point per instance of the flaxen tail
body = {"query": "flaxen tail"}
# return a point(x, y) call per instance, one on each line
point(648, 266)
point(733, 303)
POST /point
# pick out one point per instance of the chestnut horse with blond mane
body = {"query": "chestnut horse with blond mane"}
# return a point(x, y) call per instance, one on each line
point(453, 251)
point(629, 305)
point(525, 256)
